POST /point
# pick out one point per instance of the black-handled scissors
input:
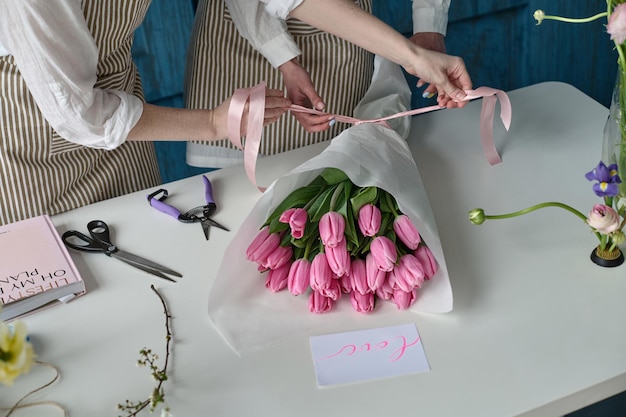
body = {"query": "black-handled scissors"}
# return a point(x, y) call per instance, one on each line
point(200, 214)
point(99, 240)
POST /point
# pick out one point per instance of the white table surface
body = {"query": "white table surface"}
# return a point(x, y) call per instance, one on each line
point(536, 330)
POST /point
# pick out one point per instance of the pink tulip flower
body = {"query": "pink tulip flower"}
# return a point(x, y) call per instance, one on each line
point(296, 218)
point(407, 275)
point(333, 291)
point(375, 276)
point(358, 277)
point(604, 219)
point(281, 256)
point(338, 259)
point(428, 261)
point(363, 303)
point(404, 299)
point(319, 304)
point(346, 283)
point(384, 292)
point(321, 276)
point(369, 220)
point(332, 226)
point(263, 246)
point(617, 24)
point(384, 252)
point(406, 231)
point(277, 278)
point(299, 276)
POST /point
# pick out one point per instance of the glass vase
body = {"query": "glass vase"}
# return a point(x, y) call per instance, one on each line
point(614, 136)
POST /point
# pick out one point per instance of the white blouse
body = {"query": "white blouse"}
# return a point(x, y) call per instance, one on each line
point(57, 57)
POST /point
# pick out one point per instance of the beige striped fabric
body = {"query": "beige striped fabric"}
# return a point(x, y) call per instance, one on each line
point(40, 172)
point(221, 61)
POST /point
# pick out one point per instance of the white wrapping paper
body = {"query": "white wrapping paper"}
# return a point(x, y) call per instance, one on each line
point(251, 317)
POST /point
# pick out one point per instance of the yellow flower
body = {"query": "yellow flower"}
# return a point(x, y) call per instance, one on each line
point(16, 353)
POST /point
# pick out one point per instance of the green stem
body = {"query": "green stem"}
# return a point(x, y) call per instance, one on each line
point(540, 206)
point(572, 20)
point(336, 194)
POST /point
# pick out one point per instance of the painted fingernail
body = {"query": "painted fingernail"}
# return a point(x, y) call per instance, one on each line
point(332, 122)
point(426, 94)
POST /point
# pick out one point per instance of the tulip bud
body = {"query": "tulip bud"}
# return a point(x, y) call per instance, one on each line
point(384, 252)
point(427, 260)
point(369, 220)
point(280, 256)
point(299, 276)
point(375, 277)
point(363, 303)
point(296, 218)
point(332, 226)
point(406, 231)
point(277, 278)
point(321, 276)
point(262, 246)
point(404, 299)
point(319, 304)
point(358, 277)
point(338, 259)
point(477, 216)
point(385, 292)
point(333, 291)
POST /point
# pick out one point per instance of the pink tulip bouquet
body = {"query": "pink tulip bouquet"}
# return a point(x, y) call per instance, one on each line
point(332, 240)
point(346, 229)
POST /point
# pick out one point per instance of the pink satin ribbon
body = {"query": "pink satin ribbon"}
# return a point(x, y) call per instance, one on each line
point(256, 98)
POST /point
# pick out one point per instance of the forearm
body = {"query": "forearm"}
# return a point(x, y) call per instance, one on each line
point(173, 124)
point(355, 25)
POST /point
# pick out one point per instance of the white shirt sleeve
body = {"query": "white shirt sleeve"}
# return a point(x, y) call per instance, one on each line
point(57, 57)
point(267, 34)
point(281, 8)
point(430, 16)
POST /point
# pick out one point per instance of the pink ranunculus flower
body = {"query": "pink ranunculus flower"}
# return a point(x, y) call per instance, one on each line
point(384, 252)
point(358, 277)
point(296, 218)
point(363, 303)
point(406, 231)
point(299, 276)
point(333, 291)
point(604, 219)
point(280, 256)
point(277, 278)
point(375, 277)
point(321, 276)
point(617, 24)
point(404, 299)
point(338, 259)
point(318, 303)
point(332, 226)
point(369, 220)
point(263, 245)
point(428, 261)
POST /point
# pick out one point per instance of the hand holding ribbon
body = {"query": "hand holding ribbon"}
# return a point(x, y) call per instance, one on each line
point(256, 97)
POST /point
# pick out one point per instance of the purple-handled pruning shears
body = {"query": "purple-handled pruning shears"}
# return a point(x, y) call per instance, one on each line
point(200, 214)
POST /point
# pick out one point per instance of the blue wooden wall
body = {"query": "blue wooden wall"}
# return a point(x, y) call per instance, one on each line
point(501, 45)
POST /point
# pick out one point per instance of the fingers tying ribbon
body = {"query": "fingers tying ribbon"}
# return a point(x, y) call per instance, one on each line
point(256, 98)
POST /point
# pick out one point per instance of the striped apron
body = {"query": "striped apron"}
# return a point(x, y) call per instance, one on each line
point(40, 172)
point(221, 61)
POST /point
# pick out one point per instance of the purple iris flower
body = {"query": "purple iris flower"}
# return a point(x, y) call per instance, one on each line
point(607, 178)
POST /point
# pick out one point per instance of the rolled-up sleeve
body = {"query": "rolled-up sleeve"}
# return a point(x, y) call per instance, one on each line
point(430, 16)
point(266, 33)
point(57, 57)
point(281, 8)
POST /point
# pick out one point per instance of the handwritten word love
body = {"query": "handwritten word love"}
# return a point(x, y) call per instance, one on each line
point(352, 349)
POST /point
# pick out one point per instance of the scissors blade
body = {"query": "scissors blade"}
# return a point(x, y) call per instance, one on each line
point(212, 222)
point(205, 228)
point(146, 265)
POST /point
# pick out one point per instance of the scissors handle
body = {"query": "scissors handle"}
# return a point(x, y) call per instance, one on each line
point(208, 190)
point(165, 208)
point(98, 241)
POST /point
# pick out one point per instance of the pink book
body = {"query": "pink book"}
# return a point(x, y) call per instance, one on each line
point(36, 270)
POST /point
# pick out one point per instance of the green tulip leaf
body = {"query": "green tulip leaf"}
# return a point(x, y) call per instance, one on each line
point(333, 176)
point(321, 205)
point(365, 195)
